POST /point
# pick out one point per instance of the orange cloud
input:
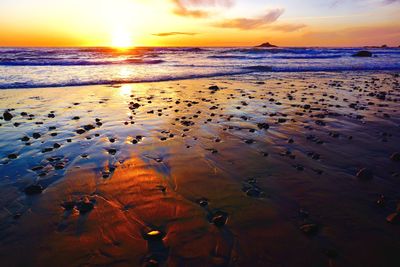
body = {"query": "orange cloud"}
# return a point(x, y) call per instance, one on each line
point(166, 34)
point(182, 7)
point(287, 27)
point(251, 23)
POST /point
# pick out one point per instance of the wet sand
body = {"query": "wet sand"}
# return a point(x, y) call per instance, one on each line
point(254, 170)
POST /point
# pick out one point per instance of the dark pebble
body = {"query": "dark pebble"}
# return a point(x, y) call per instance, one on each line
point(7, 116)
point(219, 218)
point(393, 218)
point(112, 151)
point(68, 205)
point(309, 229)
point(12, 156)
point(84, 206)
point(33, 189)
point(80, 131)
point(365, 174)
point(395, 156)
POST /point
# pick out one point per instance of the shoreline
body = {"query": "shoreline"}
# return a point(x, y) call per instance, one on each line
point(391, 71)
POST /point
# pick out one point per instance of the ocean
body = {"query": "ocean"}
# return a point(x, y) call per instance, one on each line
point(59, 67)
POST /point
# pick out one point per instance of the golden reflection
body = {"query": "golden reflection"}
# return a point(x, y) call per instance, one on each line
point(125, 73)
point(125, 90)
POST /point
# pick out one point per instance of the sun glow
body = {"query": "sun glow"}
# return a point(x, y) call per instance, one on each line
point(121, 39)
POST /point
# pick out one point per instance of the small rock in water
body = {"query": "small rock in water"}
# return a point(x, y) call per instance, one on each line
point(263, 126)
point(365, 174)
point(12, 156)
point(68, 205)
point(395, 156)
point(80, 131)
point(219, 218)
point(381, 201)
point(56, 145)
point(88, 127)
point(214, 88)
point(393, 218)
point(84, 206)
point(203, 202)
point(309, 229)
point(254, 192)
point(36, 135)
point(112, 151)
point(7, 116)
point(33, 189)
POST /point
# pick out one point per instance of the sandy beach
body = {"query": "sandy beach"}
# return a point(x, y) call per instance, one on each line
point(273, 169)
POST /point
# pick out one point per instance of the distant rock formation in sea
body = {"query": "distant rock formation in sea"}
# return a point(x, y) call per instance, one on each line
point(363, 54)
point(267, 44)
point(375, 46)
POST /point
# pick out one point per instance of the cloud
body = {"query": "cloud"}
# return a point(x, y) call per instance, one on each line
point(166, 34)
point(184, 7)
point(287, 27)
point(251, 23)
point(391, 1)
point(385, 2)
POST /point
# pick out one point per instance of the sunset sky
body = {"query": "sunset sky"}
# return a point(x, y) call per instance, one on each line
point(199, 22)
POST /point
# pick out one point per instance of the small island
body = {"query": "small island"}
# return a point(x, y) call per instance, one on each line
point(267, 44)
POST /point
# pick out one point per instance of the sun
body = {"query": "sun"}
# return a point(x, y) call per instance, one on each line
point(121, 39)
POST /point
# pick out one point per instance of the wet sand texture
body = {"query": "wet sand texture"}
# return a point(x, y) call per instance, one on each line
point(257, 170)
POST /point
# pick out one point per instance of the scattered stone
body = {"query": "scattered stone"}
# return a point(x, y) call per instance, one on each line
point(219, 218)
point(393, 218)
point(88, 127)
point(84, 206)
point(68, 205)
point(203, 202)
point(264, 126)
point(395, 156)
point(56, 145)
point(381, 201)
point(12, 156)
point(112, 151)
point(33, 189)
point(365, 174)
point(80, 131)
point(309, 229)
point(7, 116)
